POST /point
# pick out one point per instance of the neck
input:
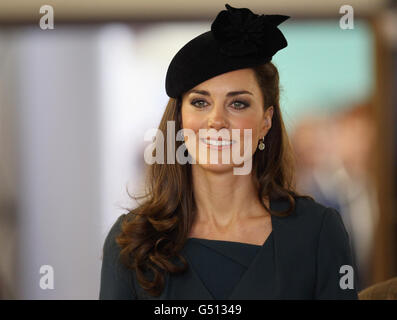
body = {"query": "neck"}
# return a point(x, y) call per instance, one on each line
point(224, 198)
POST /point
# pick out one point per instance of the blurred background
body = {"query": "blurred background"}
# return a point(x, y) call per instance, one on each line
point(76, 100)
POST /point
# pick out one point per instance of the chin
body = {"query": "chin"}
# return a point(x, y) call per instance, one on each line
point(217, 168)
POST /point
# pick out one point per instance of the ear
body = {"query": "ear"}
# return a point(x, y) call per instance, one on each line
point(267, 121)
point(269, 116)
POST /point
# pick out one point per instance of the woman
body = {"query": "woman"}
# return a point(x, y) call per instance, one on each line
point(204, 232)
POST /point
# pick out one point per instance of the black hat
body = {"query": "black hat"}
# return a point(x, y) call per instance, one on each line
point(238, 39)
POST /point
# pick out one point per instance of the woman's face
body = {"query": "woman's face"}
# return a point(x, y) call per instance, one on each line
point(230, 101)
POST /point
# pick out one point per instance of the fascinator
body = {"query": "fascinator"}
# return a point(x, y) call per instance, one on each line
point(238, 39)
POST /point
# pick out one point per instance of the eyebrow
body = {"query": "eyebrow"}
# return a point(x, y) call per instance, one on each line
point(229, 94)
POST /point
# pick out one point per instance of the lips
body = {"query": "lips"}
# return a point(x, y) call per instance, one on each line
point(218, 144)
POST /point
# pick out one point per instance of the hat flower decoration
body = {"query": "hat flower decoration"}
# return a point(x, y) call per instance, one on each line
point(241, 32)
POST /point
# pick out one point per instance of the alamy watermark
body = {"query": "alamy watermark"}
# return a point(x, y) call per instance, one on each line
point(47, 20)
point(47, 279)
point(347, 20)
point(347, 280)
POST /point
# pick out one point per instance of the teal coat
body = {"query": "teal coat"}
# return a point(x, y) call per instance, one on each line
point(309, 251)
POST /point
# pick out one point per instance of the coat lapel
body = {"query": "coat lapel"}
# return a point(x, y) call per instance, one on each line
point(259, 282)
point(256, 282)
point(187, 286)
point(290, 250)
point(278, 232)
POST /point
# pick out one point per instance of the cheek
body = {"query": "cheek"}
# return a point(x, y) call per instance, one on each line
point(246, 123)
point(191, 120)
point(191, 123)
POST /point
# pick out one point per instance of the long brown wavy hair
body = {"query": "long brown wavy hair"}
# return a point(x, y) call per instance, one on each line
point(155, 231)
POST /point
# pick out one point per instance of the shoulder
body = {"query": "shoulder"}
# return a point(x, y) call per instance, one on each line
point(311, 210)
point(111, 249)
point(309, 216)
point(305, 210)
point(116, 279)
point(308, 206)
point(323, 216)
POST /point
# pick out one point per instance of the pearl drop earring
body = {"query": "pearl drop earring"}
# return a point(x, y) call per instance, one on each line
point(261, 145)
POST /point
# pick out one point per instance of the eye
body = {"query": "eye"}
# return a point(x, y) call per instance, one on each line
point(240, 104)
point(198, 103)
point(237, 104)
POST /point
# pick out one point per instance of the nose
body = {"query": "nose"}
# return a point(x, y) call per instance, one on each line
point(217, 118)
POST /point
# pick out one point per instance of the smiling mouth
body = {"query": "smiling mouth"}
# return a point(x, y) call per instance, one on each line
point(218, 143)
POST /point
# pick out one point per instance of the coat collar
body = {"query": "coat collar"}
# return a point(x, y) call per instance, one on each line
point(190, 286)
